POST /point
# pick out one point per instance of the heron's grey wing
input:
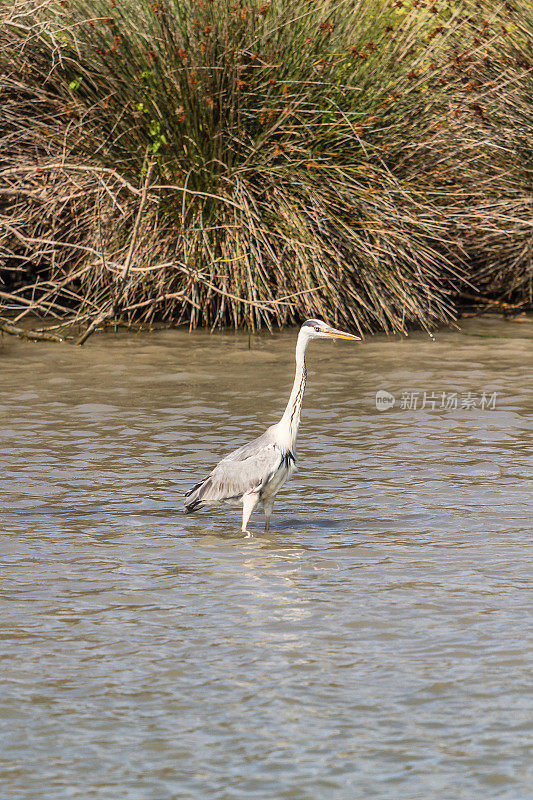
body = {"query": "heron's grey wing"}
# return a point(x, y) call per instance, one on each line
point(236, 475)
point(252, 448)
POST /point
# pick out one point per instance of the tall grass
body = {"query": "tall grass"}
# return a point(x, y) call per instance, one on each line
point(222, 162)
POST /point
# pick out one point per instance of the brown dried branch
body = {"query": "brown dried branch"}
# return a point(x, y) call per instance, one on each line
point(111, 309)
point(34, 336)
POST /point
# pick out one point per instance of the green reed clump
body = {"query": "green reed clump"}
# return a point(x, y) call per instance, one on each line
point(362, 161)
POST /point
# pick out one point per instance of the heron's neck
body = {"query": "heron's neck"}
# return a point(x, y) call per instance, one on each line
point(290, 420)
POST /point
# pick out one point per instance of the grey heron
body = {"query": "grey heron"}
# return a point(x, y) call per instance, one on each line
point(256, 472)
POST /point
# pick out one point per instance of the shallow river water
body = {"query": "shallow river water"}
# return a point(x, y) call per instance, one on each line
point(373, 645)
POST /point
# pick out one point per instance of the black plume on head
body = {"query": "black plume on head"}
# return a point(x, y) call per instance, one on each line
point(310, 323)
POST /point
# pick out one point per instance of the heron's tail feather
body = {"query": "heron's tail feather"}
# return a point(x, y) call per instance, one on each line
point(194, 496)
point(190, 508)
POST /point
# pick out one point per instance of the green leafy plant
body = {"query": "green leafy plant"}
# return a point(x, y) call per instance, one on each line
point(76, 83)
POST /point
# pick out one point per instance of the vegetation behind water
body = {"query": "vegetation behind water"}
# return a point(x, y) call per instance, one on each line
point(218, 162)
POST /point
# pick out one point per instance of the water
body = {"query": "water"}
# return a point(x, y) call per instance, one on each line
point(373, 645)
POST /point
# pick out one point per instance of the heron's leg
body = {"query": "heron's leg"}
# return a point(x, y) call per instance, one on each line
point(249, 502)
point(268, 505)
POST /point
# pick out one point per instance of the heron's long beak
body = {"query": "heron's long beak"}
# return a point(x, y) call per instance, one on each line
point(341, 335)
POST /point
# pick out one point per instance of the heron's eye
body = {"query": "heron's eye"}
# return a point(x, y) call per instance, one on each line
point(317, 329)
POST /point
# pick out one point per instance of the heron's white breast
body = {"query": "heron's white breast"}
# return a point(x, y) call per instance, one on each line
point(280, 477)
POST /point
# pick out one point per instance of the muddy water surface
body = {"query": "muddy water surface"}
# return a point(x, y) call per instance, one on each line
point(373, 645)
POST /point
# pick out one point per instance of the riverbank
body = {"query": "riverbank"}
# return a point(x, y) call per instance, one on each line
point(253, 165)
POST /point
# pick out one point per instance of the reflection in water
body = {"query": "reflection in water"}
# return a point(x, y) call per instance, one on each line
point(371, 645)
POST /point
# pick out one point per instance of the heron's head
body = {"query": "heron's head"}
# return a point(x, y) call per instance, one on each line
point(317, 329)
